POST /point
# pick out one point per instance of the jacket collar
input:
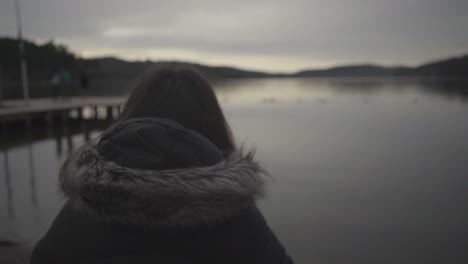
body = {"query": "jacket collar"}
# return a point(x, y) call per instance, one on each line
point(112, 193)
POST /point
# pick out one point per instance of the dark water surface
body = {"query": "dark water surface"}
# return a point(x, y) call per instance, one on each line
point(366, 170)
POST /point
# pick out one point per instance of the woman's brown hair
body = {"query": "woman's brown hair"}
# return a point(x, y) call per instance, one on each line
point(183, 96)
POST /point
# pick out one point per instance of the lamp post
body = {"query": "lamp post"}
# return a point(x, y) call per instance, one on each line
point(23, 67)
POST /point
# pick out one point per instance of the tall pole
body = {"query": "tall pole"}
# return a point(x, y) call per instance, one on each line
point(22, 53)
point(1, 87)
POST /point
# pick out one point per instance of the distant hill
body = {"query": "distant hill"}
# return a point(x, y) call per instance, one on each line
point(454, 67)
point(43, 60)
point(107, 74)
point(108, 67)
point(352, 71)
point(110, 74)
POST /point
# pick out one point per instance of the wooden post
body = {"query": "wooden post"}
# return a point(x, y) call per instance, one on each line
point(109, 114)
point(85, 130)
point(32, 172)
point(66, 130)
point(96, 114)
point(9, 189)
point(29, 126)
point(49, 118)
point(50, 123)
point(80, 112)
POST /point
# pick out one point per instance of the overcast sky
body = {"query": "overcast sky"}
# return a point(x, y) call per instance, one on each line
point(275, 35)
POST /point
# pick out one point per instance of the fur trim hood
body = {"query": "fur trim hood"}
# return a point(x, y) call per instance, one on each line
point(113, 193)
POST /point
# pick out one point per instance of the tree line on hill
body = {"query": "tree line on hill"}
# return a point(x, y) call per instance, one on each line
point(113, 74)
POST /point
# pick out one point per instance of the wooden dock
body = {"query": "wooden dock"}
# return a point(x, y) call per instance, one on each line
point(18, 110)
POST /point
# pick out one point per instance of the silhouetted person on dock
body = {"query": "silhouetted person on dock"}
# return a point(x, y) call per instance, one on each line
point(66, 81)
point(84, 83)
point(165, 184)
point(55, 83)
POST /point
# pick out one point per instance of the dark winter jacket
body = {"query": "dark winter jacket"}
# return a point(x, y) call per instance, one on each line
point(151, 191)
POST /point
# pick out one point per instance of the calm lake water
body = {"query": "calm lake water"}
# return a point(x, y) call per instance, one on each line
point(366, 170)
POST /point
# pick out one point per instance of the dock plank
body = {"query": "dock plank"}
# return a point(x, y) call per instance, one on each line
point(12, 108)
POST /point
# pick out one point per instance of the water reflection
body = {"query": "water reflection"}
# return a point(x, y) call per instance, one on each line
point(85, 130)
point(366, 171)
point(32, 170)
point(58, 142)
point(65, 132)
point(322, 89)
point(449, 88)
point(9, 192)
point(32, 151)
point(68, 135)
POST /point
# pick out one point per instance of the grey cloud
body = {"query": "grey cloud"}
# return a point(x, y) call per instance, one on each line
point(351, 30)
